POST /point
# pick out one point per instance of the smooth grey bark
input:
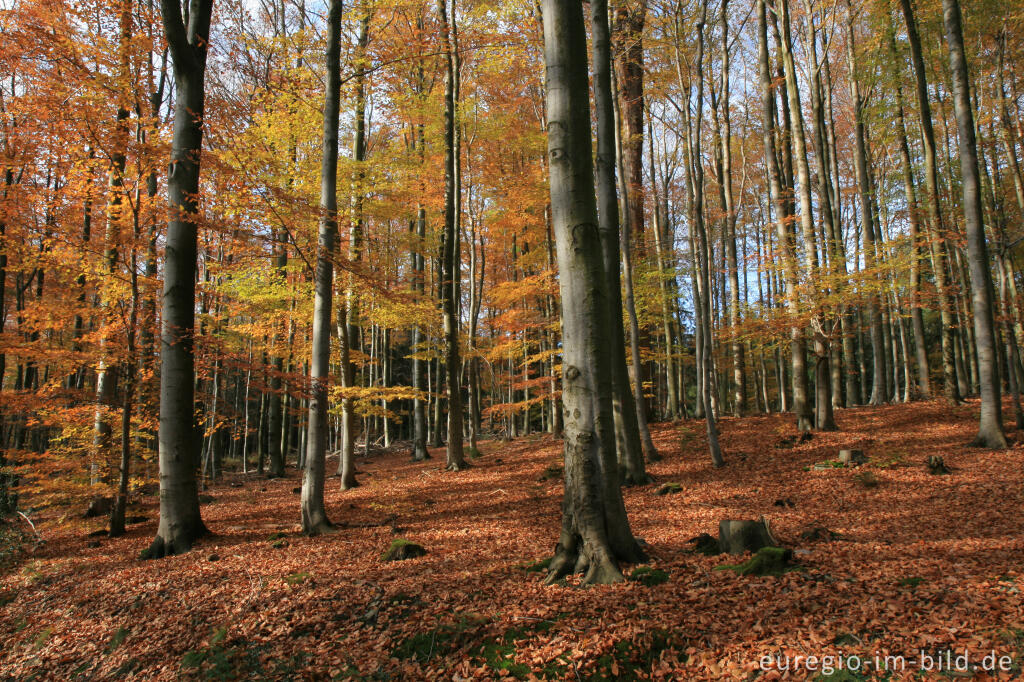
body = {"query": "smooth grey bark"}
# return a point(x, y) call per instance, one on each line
point(860, 158)
point(781, 161)
point(275, 451)
point(313, 512)
point(629, 449)
point(595, 533)
point(990, 426)
point(822, 417)
point(702, 291)
point(180, 521)
point(450, 266)
point(419, 366)
point(739, 380)
point(348, 323)
point(833, 260)
point(665, 262)
point(937, 239)
point(108, 371)
point(909, 189)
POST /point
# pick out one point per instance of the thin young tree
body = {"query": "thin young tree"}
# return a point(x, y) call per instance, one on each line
point(314, 514)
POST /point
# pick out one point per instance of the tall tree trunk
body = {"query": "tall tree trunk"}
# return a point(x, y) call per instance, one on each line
point(180, 521)
point(739, 381)
point(595, 532)
point(937, 239)
point(703, 288)
point(450, 265)
point(916, 255)
point(990, 427)
point(314, 514)
point(823, 418)
point(878, 385)
point(107, 371)
point(348, 323)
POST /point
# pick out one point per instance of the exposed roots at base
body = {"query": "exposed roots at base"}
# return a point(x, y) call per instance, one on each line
point(178, 544)
point(628, 479)
point(598, 567)
point(320, 528)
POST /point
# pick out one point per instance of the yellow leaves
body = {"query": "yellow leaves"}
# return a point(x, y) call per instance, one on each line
point(369, 401)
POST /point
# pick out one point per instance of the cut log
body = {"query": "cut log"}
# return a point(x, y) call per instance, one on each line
point(737, 537)
point(852, 457)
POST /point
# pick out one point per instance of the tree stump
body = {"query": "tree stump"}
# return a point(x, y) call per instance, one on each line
point(852, 457)
point(402, 549)
point(99, 506)
point(669, 489)
point(935, 466)
point(737, 537)
point(767, 561)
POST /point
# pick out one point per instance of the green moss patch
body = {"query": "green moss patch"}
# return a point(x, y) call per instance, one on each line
point(632, 659)
point(296, 578)
point(402, 549)
point(767, 561)
point(645, 575)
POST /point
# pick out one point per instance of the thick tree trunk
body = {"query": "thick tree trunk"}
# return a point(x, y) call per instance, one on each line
point(180, 521)
point(595, 532)
point(314, 514)
point(990, 427)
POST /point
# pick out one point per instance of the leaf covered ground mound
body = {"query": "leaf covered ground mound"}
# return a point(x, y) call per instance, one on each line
point(915, 562)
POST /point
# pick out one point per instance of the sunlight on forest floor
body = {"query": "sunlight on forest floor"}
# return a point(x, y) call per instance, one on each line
point(922, 562)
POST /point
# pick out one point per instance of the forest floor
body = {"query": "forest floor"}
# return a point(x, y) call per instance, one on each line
point(923, 563)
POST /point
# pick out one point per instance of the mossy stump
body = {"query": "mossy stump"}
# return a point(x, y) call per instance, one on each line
point(767, 561)
point(669, 489)
point(737, 537)
point(852, 457)
point(402, 549)
point(649, 577)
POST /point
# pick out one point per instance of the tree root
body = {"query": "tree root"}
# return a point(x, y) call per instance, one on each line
point(180, 543)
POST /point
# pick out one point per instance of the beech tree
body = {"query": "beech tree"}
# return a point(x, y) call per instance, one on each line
point(595, 533)
point(990, 426)
point(180, 521)
point(314, 514)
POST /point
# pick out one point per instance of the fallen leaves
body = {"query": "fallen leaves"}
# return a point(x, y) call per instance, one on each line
point(921, 562)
